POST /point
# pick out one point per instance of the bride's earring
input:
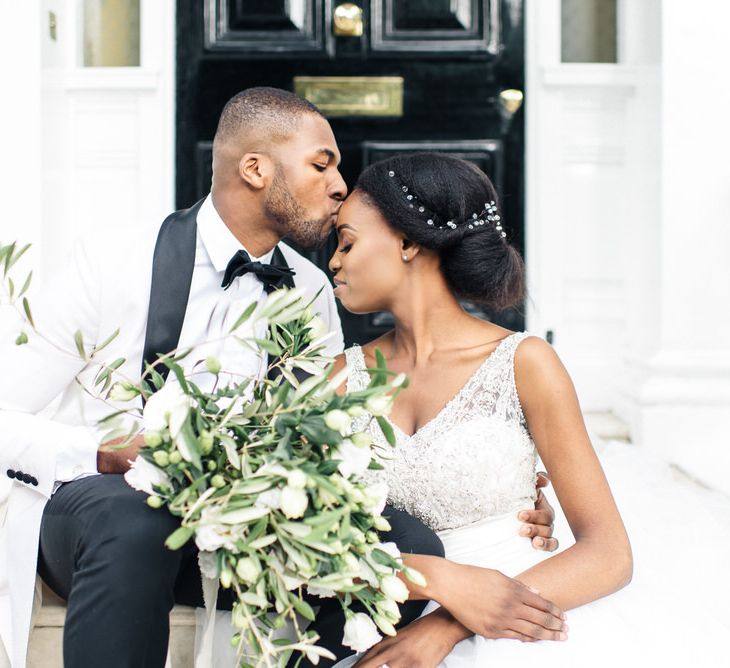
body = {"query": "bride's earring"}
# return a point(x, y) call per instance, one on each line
point(405, 258)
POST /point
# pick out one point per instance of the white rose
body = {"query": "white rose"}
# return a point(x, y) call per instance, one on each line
point(378, 405)
point(375, 497)
point(393, 588)
point(142, 476)
point(168, 406)
point(208, 538)
point(360, 632)
point(338, 420)
point(355, 460)
point(270, 498)
point(321, 592)
point(294, 502)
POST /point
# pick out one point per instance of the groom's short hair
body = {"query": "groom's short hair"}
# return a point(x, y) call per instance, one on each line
point(266, 112)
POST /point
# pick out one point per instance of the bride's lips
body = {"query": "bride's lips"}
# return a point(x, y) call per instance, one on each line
point(338, 284)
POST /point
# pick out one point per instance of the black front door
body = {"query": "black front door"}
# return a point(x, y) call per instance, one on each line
point(392, 75)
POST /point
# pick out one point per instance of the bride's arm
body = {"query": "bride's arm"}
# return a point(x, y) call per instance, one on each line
point(600, 562)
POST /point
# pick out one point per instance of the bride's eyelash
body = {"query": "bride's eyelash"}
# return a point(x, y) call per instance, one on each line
point(346, 248)
point(320, 168)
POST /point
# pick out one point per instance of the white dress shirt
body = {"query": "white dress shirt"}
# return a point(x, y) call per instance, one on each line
point(48, 421)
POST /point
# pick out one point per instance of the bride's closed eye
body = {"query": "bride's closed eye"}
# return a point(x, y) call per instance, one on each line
point(345, 248)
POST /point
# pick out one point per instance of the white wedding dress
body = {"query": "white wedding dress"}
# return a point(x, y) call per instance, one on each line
point(467, 473)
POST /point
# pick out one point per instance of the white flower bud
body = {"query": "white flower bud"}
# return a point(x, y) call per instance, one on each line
point(399, 380)
point(354, 459)
point(123, 392)
point(337, 420)
point(161, 458)
point(393, 588)
point(389, 609)
point(381, 524)
point(294, 502)
point(378, 405)
point(356, 411)
point(213, 365)
point(384, 625)
point(248, 569)
point(416, 577)
point(297, 479)
point(361, 439)
point(360, 632)
point(317, 327)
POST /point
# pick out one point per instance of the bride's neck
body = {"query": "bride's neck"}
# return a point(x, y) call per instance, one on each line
point(425, 321)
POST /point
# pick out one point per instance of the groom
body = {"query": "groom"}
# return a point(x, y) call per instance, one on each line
point(99, 546)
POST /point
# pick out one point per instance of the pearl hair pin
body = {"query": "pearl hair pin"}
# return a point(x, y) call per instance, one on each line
point(487, 215)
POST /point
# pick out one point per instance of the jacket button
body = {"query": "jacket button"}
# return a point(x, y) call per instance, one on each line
point(11, 473)
point(27, 478)
point(19, 475)
point(34, 482)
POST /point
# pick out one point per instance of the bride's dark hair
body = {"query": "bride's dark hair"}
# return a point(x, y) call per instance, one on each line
point(476, 259)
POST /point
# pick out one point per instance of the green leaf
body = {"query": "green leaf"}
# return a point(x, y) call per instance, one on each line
point(22, 339)
point(8, 255)
point(269, 346)
point(11, 287)
point(244, 316)
point(10, 261)
point(192, 442)
point(387, 429)
point(179, 374)
point(178, 538)
point(107, 341)
point(302, 607)
point(26, 284)
point(79, 340)
point(26, 308)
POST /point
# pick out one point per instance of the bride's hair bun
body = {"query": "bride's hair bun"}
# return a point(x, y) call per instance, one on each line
point(449, 205)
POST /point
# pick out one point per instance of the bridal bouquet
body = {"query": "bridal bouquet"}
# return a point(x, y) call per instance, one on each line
point(267, 478)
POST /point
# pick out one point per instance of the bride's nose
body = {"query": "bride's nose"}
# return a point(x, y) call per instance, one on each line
point(334, 263)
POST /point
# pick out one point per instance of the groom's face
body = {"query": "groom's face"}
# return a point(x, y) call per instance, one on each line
point(307, 189)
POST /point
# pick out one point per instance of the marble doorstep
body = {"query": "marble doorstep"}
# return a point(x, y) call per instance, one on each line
point(46, 639)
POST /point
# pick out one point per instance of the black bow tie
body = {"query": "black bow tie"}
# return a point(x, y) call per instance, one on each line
point(271, 275)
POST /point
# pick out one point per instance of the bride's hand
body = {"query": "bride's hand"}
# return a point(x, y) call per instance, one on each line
point(493, 605)
point(424, 643)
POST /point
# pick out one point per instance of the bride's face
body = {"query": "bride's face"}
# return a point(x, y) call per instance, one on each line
point(367, 263)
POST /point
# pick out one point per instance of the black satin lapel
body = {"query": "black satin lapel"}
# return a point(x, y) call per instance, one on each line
point(172, 273)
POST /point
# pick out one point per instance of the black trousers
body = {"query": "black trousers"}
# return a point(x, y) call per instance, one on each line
point(101, 549)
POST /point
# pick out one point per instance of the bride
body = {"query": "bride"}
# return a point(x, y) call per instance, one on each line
point(419, 233)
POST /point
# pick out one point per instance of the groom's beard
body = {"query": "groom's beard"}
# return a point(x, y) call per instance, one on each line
point(281, 206)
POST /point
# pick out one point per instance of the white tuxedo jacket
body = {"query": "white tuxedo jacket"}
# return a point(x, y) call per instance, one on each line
point(47, 420)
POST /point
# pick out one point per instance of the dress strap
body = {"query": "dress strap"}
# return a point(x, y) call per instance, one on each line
point(359, 378)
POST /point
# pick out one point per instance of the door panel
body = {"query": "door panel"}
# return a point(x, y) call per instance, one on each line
point(455, 58)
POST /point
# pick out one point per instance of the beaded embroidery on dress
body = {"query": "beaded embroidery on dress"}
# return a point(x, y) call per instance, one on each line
point(475, 459)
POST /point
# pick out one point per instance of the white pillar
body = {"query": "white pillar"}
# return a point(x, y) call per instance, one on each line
point(20, 120)
point(680, 393)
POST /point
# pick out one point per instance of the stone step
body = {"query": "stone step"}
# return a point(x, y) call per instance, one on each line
point(46, 639)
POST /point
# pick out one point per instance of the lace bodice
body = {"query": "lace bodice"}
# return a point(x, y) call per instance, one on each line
point(475, 459)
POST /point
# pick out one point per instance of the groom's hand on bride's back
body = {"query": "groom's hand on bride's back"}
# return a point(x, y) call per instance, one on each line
point(110, 458)
point(538, 522)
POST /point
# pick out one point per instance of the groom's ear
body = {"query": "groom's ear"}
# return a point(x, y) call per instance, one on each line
point(255, 169)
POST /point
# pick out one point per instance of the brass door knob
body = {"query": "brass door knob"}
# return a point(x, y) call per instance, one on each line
point(348, 20)
point(511, 100)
